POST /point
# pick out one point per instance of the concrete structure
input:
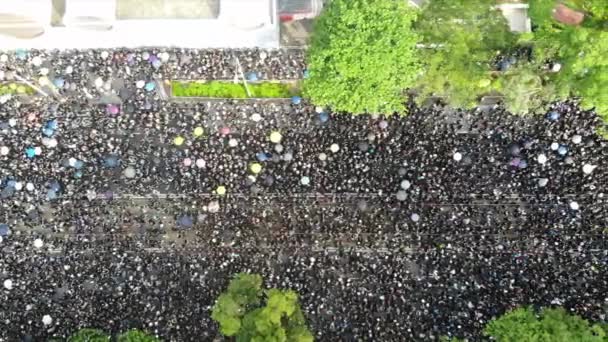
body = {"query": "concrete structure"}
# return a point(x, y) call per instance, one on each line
point(94, 24)
point(517, 16)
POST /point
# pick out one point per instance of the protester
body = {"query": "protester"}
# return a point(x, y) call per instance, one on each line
point(134, 211)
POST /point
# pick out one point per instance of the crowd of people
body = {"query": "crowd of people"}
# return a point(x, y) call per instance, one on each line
point(135, 213)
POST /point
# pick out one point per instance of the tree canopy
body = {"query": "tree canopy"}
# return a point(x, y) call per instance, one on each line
point(461, 37)
point(363, 56)
point(240, 312)
point(548, 325)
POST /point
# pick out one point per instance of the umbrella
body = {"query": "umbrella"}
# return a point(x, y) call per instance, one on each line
point(415, 217)
point(288, 156)
point(113, 109)
point(4, 150)
point(221, 190)
point(261, 156)
point(185, 221)
point(296, 100)
point(457, 156)
point(275, 137)
point(140, 84)
point(233, 142)
point(323, 117)
point(553, 116)
point(562, 150)
point(255, 168)
point(305, 180)
point(4, 230)
point(401, 195)
point(405, 184)
point(214, 206)
point(574, 205)
point(150, 86)
point(322, 156)
point(178, 141)
point(541, 158)
point(200, 163)
point(251, 76)
point(334, 148)
point(111, 161)
point(59, 82)
point(225, 130)
point(577, 139)
point(542, 182)
point(588, 168)
point(129, 172)
point(30, 152)
point(187, 162)
point(198, 131)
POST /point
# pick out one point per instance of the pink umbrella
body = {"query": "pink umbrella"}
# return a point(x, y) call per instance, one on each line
point(113, 109)
point(225, 131)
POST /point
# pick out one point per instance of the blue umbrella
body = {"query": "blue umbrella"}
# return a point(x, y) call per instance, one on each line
point(252, 76)
point(30, 152)
point(78, 165)
point(52, 124)
point(4, 230)
point(111, 161)
point(562, 150)
point(324, 117)
point(306, 73)
point(296, 100)
point(55, 186)
point(185, 221)
point(553, 116)
point(21, 54)
point(261, 156)
point(48, 132)
point(150, 86)
point(157, 63)
point(51, 195)
point(59, 82)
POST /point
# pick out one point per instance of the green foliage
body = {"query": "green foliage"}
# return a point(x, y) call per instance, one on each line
point(136, 336)
point(221, 89)
point(363, 56)
point(582, 53)
point(240, 312)
point(550, 325)
point(525, 89)
point(89, 335)
point(461, 39)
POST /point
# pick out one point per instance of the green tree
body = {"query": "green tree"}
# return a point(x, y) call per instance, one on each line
point(240, 313)
point(581, 52)
point(549, 325)
point(89, 335)
point(363, 56)
point(461, 38)
point(136, 336)
point(525, 89)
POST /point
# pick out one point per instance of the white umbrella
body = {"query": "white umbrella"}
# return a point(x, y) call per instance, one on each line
point(129, 172)
point(276, 137)
point(305, 180)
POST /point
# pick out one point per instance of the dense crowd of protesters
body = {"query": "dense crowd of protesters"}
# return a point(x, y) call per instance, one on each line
point(136, 213)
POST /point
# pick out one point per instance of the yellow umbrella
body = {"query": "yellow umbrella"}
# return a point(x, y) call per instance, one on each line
point(255, 168)
point(221, 190)
point(179, 140)
point(276, 137)
point(198, 131)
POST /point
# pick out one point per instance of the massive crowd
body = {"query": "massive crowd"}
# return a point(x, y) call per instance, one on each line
point(135, 210)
